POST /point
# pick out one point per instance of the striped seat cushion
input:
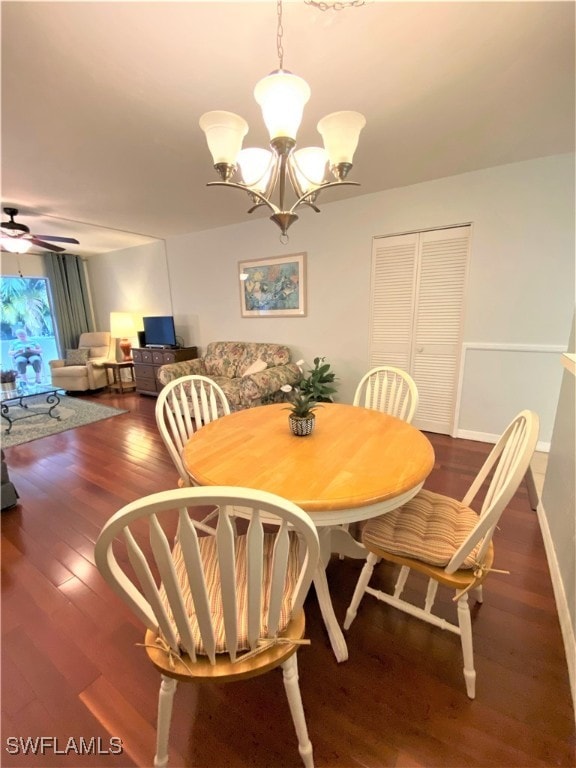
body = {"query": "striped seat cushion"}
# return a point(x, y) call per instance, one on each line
point(430, 528)
point(212, 576)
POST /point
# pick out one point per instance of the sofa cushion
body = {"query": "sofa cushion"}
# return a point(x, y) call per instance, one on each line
point(222, 358)
point(98, 352)
point(256, 367)
point(76, 357)
point(271, 354)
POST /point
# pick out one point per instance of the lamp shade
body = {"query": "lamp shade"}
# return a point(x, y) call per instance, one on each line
point(225, 132)
point(309, 164)
point(122, 325)
point(15, 244)
point(255, 167)
point(340, 132)
point(282, 97)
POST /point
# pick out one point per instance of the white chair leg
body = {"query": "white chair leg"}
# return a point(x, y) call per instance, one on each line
point(478, 594)
point(165, 699)
point(401, 581)
point(290, 674)
point(465, 625)
point(430, 594)
point(361, 585)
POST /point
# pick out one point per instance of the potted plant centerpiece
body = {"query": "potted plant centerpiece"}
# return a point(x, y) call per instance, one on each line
point(312, 389)
point(301, 418)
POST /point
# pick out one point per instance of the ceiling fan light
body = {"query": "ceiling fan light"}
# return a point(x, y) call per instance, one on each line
point(255, 167)
point(340, 133)
point(15, 244)
point(309, 164)
point(225, 132)
point(282, 96)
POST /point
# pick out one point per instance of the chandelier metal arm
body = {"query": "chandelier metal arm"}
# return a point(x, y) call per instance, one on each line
point(250, 191)
point(303, 199)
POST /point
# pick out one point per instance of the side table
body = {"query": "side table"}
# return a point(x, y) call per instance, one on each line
point(117, 382)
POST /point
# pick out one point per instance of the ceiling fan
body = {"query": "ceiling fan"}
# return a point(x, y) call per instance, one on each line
point(16, 237)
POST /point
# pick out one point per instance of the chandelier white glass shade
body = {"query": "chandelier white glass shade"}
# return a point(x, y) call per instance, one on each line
point(282, 97)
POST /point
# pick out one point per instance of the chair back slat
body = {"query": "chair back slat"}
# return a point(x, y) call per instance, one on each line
point(199, 590)
point(508, 461)
point(254, 575)
point(390, 390)
point(178, 417)
point(278, 578)
point(149, 588)
point(184, 406)
point(163, 556)
point(227, 563)
point(197, 581)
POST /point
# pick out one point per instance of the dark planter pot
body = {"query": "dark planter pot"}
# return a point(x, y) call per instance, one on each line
point(301, 426)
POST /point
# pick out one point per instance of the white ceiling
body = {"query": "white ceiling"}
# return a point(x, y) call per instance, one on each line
point(101, 100)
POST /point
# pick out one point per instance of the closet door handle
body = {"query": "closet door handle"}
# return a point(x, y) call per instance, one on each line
point(420, 349)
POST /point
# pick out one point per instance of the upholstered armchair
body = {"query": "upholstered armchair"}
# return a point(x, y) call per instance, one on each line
point(81, 369)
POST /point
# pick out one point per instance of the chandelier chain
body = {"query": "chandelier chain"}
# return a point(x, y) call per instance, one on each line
point(279, 34)
point(335, 6)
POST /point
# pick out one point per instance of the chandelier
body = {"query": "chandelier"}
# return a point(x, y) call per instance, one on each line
point(282, 96)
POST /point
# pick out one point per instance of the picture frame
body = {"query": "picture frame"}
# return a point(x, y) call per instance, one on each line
point(274, 287)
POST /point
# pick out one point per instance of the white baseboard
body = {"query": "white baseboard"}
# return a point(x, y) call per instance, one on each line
point(566, 627)
point(487, 437)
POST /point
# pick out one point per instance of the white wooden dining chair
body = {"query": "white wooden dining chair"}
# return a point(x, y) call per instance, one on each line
point(446, 540)
point(217, 608)
point(182, 408)
point(390, 390)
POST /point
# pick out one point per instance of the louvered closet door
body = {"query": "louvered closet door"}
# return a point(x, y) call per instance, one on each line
point(394, 262)
point(417, 315)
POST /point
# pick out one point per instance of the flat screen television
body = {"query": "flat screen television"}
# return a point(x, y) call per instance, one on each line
point(159, 331)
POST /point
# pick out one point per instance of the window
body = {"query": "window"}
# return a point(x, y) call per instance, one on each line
point(26, 303)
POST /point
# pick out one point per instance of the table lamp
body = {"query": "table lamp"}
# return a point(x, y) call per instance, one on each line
point(122, 327)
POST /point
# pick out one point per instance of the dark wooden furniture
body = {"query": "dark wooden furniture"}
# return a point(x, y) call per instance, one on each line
point(147, 362)
point(118, 383)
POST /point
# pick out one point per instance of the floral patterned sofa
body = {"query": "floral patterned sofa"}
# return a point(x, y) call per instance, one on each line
point(249, 373)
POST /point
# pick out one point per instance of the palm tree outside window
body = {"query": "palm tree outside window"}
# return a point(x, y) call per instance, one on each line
point(27, 304)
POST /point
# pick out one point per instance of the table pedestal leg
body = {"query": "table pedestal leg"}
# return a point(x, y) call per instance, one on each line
point(323, 594)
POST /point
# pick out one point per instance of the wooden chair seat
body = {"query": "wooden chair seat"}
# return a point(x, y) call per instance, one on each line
point(223, 670)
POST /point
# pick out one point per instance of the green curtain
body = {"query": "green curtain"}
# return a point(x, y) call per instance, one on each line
point(70, 296)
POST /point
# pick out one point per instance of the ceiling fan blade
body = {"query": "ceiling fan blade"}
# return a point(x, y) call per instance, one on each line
point(58, 239)
point(49, 246)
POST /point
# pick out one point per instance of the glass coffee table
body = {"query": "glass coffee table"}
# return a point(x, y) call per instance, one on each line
point(14, 406)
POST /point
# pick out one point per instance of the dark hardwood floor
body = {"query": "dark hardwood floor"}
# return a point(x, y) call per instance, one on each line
point(70, 667)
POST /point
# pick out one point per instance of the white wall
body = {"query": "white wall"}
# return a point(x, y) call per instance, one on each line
point(521, 285)
point(31, 265)
point(131, 280)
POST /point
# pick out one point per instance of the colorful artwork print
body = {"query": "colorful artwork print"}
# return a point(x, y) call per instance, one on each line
point(273, 286)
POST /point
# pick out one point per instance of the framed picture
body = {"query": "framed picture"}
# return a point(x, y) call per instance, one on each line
point(274, 287)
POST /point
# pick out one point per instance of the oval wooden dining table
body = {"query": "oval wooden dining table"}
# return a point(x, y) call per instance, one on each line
point(357, 463)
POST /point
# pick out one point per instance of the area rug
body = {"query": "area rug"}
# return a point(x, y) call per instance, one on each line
point(73, 413)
